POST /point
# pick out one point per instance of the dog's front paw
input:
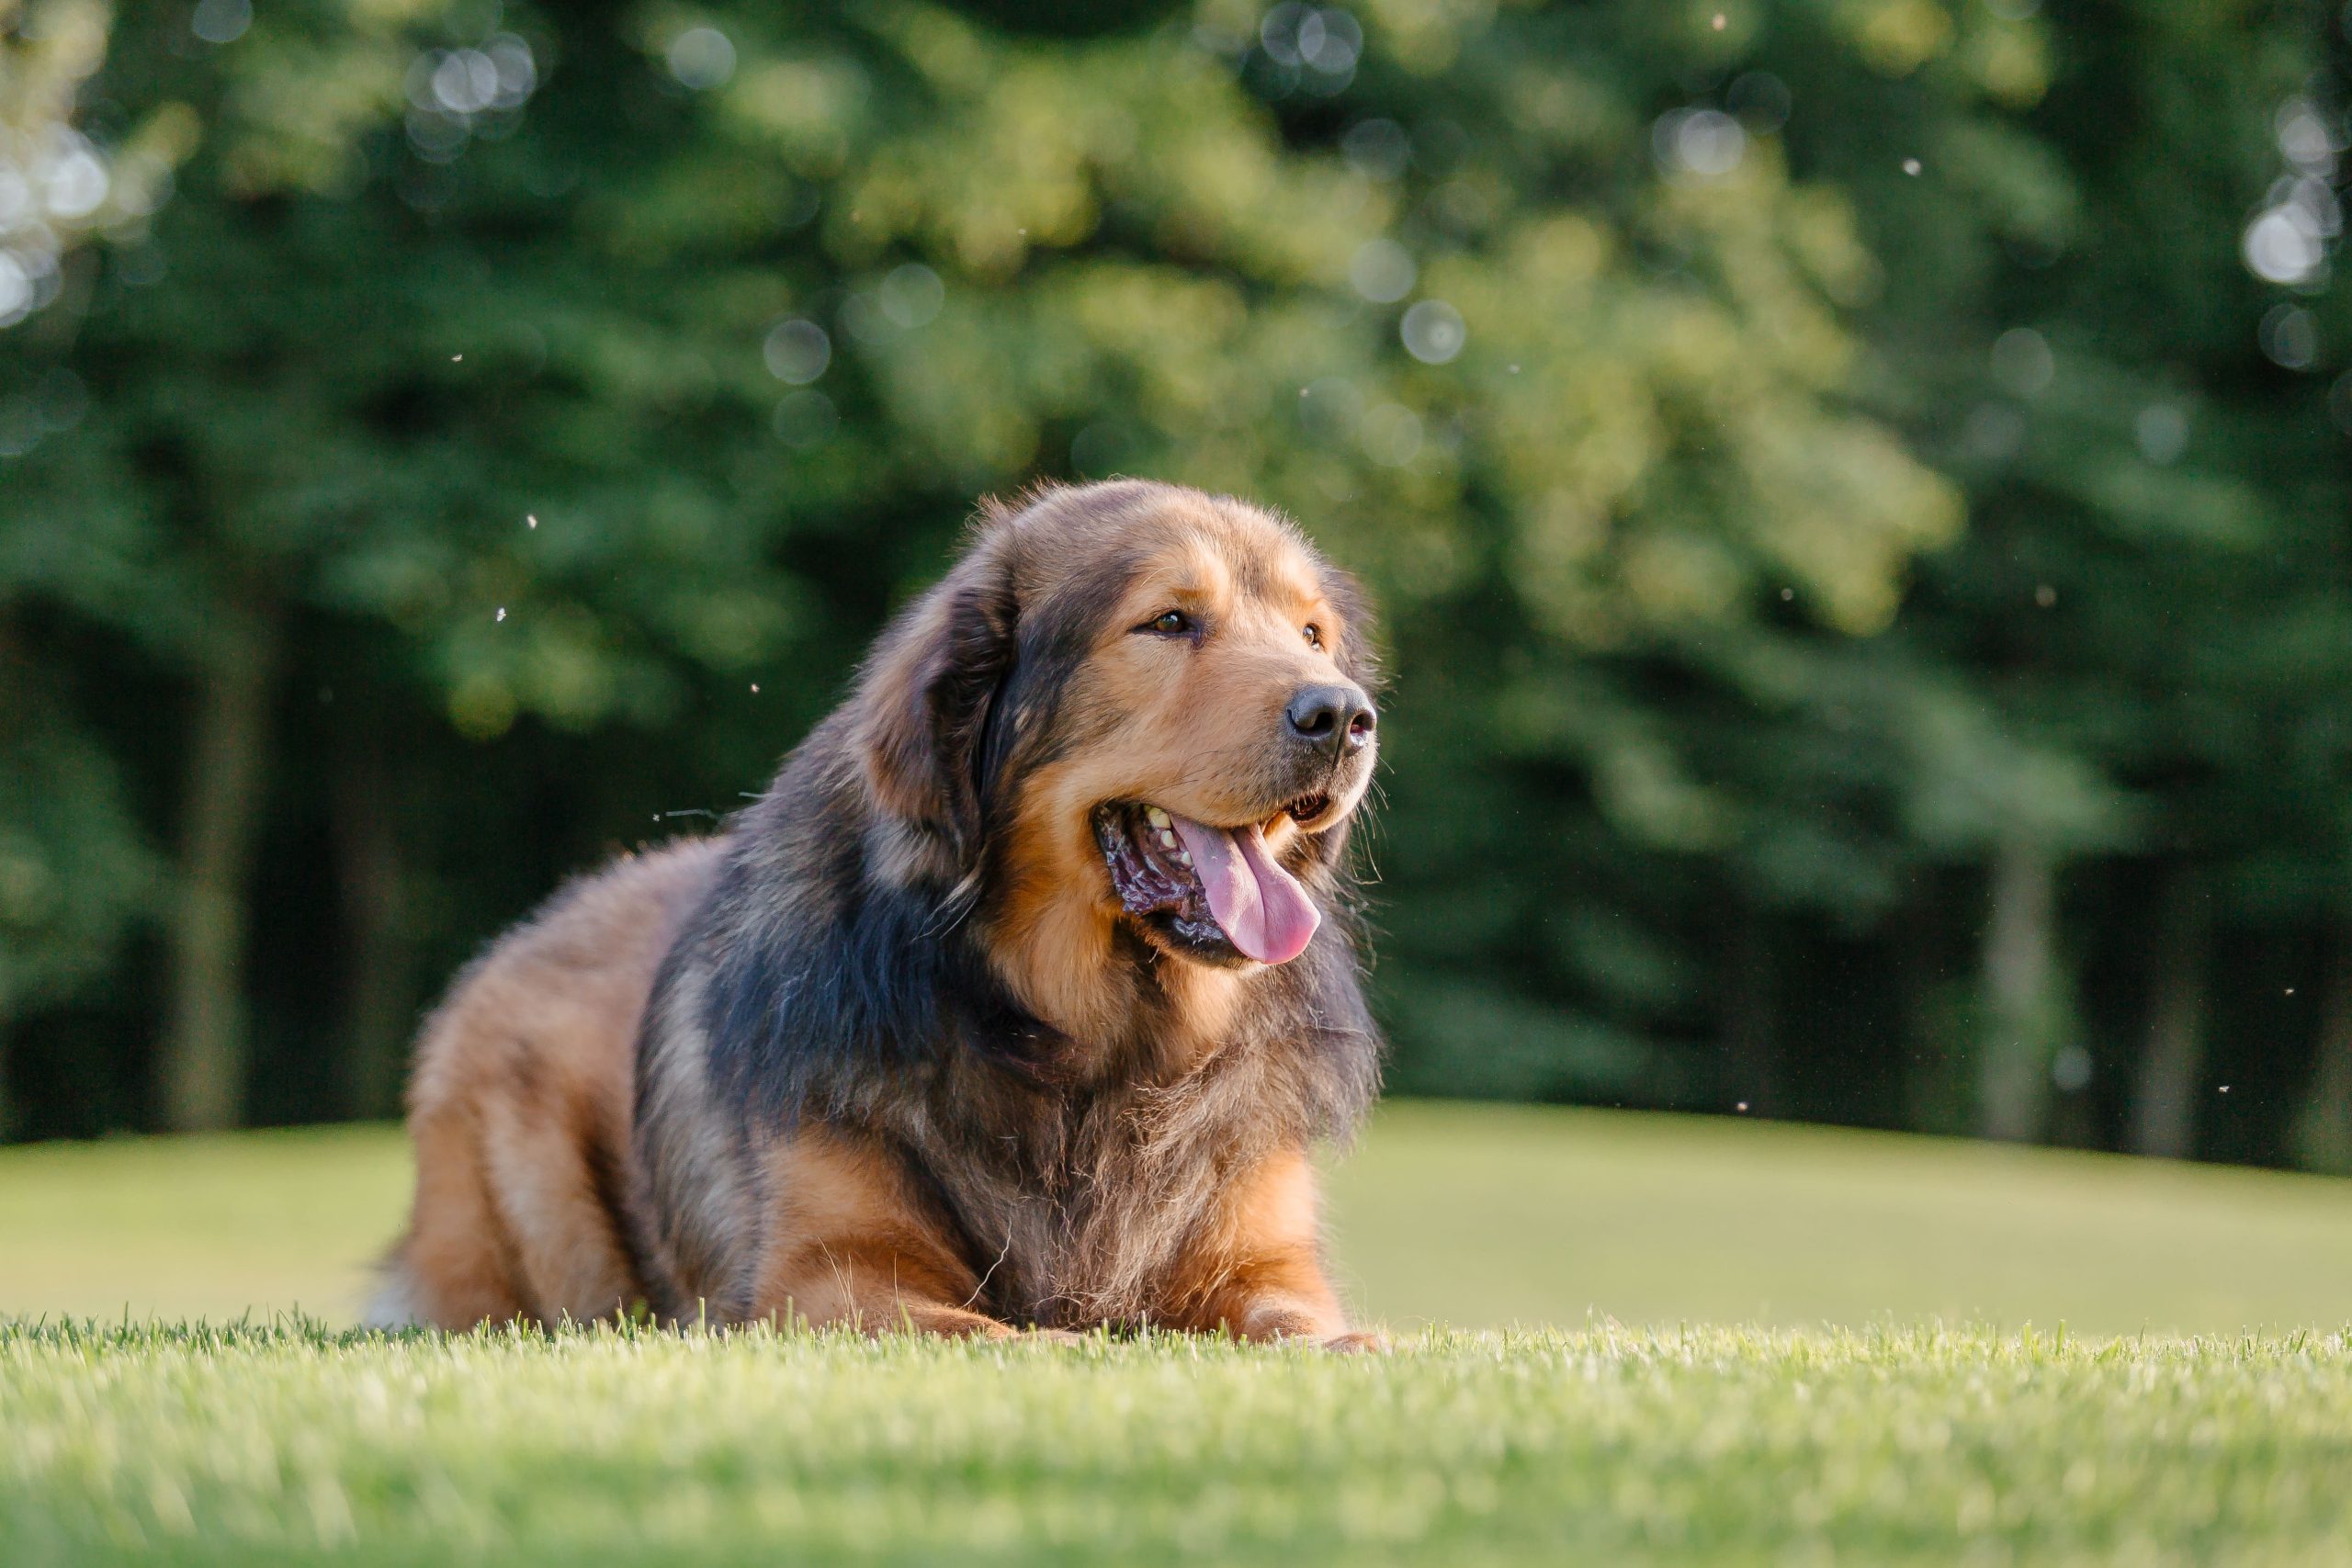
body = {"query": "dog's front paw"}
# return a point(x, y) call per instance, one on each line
point(1358, 1341)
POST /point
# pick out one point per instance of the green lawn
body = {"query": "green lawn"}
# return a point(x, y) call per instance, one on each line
point(1708, 1446)
point(1858, 1431)
point(1473, 1217)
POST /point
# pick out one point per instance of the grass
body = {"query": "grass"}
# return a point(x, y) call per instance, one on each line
point(1705, 1446)
point(1469, 1216)
point(1489, 1217)
point(2148, 1365)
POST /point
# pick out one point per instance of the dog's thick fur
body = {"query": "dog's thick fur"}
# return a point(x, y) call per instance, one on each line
point(888, 1051)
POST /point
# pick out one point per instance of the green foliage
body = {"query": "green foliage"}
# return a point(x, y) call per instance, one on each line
point(74, 869)
point(1805, 452)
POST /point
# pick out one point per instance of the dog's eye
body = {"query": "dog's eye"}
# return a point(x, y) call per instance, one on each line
point(1314, 635)
point(1170, 623)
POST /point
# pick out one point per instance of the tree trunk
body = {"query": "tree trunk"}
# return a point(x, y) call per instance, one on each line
point(11, 674)
point(1751, 1064)
point(1938, 1093)
point(375, 911)
point(2022, 1008)
point(2322, 1134)
point(2164, 1091)
point(202, 1072)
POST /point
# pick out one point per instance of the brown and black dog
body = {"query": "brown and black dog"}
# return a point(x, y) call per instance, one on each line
point(1015, 1002)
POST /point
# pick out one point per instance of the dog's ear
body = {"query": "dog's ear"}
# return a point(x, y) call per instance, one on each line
point(925, 699)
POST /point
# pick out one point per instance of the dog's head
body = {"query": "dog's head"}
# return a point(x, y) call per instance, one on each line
point(1129, 705)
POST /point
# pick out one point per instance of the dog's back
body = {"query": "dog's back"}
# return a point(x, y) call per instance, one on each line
point(519, 1109)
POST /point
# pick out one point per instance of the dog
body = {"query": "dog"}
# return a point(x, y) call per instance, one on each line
point(1014, 1006)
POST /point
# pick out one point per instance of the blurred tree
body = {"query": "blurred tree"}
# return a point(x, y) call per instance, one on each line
point(981, 251)
point(75, 869)
point(2149, 494)
point(2323, 1133)
point(505, 386)
point(283, 433)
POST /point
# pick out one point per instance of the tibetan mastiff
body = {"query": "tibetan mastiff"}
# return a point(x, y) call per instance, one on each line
point(1014, 1005)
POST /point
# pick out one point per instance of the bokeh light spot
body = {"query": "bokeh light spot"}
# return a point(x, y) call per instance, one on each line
point(2162, 432)
point(1992, 433)
point(911, 294)
point(1706, 143)
point(1379, 149)
point(2283, 245)
point(2339, 402)
point(2289, 336)
point(1322, 43)
point(2305, 139)
point(701, 57)
point(15, 289)
point(73, 180)
point(222, 21)
point(1382, 272)
point(2022, 363)
point(797, 351)
point(1433, 331)
point(465, 80)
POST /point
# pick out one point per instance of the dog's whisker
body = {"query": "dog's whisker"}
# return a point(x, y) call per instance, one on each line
point(978, 1289)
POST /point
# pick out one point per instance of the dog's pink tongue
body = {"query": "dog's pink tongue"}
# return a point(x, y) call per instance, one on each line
point(1260, 906)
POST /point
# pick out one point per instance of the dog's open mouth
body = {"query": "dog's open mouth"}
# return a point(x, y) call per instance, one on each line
point(1212, 888)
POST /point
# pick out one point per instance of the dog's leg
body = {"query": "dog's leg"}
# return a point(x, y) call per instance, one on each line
point(1257, 1274)
point(454, 1269)
point(559, 1198)
point(873, 1287)
point(846, 1245)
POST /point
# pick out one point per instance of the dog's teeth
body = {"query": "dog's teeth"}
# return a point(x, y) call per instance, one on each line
point(1168, 837)
point(1182, 858)
point(1156, 816)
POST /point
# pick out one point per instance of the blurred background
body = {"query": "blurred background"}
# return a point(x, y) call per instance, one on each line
point(1860, 492)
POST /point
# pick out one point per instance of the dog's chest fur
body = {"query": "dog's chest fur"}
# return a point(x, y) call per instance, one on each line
point(1077, 1209)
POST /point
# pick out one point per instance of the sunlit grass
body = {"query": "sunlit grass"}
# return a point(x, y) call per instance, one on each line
point(2020, 1438)
point(1494, 1215)
point(1599, 1444)
point(1472, 1216)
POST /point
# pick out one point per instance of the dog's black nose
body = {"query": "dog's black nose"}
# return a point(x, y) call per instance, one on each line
point(1332, 718)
